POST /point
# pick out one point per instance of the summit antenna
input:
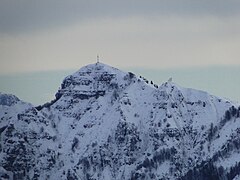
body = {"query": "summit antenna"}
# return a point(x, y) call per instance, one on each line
point(97, 58)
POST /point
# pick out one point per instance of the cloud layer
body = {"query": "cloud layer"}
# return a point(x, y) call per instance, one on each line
point(24, 15)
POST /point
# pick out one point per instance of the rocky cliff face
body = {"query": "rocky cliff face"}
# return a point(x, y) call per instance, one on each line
point(108, 124)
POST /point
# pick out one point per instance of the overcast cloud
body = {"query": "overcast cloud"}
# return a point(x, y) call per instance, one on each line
point(26, 15)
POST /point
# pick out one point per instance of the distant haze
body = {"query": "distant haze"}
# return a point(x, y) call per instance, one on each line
point(40, 87)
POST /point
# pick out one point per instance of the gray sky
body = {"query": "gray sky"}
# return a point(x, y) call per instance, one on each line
point(38, 35)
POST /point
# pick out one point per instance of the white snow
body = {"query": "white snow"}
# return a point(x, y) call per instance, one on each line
point(164, 117)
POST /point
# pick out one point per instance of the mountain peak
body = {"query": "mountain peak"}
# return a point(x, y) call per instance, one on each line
point(92, 80)
point(98, 67)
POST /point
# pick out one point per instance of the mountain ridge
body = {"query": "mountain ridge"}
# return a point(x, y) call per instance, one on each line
point(108, 124)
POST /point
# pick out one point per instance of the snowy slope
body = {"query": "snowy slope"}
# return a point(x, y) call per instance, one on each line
point(109, 124)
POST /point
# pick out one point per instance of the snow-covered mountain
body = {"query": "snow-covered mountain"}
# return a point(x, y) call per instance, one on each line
point(108, 124)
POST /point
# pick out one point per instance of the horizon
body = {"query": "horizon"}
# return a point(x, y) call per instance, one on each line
point(40, 87)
